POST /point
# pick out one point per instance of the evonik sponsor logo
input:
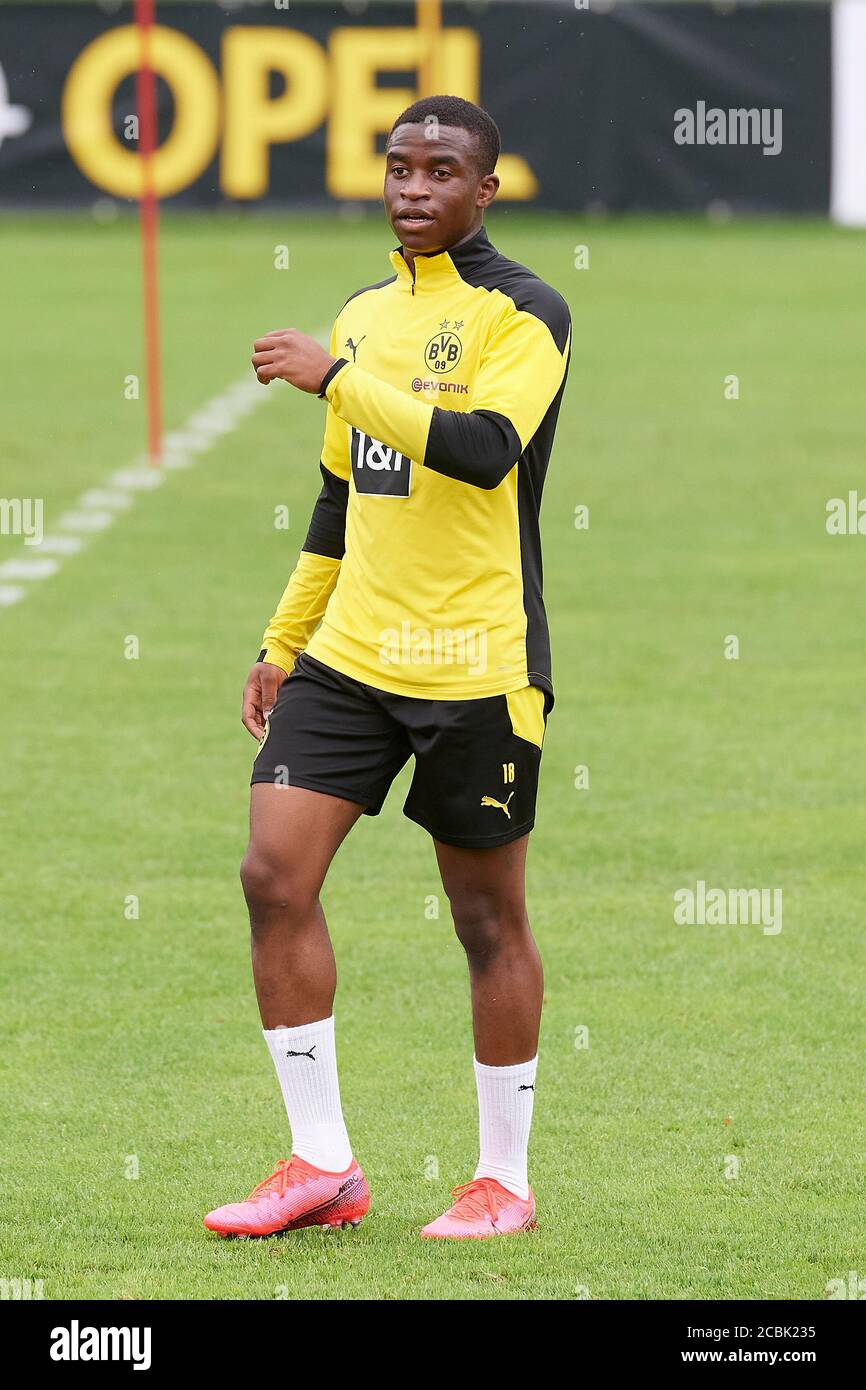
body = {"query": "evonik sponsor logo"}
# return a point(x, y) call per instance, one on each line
point(457, 388)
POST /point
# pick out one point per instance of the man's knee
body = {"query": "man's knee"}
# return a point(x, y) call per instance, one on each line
point(485, 923)
point(271, 886)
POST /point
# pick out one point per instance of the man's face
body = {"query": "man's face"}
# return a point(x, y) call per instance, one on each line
point(433, 190)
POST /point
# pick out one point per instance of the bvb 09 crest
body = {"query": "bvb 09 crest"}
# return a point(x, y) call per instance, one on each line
point(443, 352)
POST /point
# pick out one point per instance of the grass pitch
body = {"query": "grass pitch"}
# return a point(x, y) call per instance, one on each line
point(708, 1141)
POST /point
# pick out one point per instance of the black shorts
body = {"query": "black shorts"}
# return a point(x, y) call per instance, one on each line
point(475, 779)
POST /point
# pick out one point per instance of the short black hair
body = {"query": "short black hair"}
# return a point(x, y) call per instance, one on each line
point(455, 111)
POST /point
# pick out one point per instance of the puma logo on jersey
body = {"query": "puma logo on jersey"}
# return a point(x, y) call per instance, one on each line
point(354, 347)
point(377, 469)
point(503, 805)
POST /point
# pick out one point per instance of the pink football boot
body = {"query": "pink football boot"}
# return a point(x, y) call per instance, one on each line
point(296, 1194)
point(484, 1208)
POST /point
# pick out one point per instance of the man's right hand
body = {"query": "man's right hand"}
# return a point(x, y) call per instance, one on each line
point(260, 696)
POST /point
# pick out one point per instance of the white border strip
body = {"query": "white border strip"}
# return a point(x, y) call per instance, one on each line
point(848, 159)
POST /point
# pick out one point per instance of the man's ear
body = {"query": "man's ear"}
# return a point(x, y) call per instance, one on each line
point(487, 190)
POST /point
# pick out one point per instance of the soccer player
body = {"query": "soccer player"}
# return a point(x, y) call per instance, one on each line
point(413, 624)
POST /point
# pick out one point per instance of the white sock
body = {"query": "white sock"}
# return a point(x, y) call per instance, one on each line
point(306, 1063)
point(505, 1100)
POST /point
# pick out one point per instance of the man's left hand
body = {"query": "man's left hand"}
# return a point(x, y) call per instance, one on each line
point(292, 356)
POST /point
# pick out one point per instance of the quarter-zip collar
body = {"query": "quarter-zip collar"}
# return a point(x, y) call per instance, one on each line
point(434, 272)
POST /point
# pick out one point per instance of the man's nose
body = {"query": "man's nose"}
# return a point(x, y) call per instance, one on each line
point(416, 185)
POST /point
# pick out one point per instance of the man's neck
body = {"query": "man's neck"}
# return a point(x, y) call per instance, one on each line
point(409, 256)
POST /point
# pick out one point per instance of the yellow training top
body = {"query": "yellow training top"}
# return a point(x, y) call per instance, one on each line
point(423, 557)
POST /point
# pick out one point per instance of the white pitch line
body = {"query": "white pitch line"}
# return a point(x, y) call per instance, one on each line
point(143, 478)
point(98, 508)
point(102, 497)
point(29, 567)
point(60, 545)
point(86, 521)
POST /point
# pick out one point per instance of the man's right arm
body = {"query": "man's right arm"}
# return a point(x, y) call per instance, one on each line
point(311, 583)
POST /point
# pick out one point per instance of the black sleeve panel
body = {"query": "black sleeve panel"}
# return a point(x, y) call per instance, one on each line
point(475, 446)
point(327, 531)
point(331, 372)
point(532, 296)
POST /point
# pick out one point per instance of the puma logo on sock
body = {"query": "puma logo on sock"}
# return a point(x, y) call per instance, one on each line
point(304, 1054)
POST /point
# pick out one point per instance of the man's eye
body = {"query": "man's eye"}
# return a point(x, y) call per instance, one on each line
point(446, 172)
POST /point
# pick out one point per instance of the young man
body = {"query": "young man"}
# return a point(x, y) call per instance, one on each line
point(422, 564)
